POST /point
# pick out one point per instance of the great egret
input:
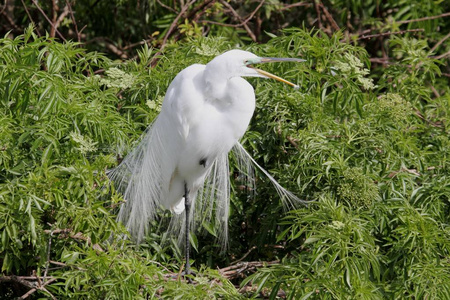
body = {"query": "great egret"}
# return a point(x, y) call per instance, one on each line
point(181, 162)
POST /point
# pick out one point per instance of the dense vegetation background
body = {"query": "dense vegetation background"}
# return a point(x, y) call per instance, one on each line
point(366, 137)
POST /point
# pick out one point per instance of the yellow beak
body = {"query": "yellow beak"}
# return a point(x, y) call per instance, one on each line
point(270, 75)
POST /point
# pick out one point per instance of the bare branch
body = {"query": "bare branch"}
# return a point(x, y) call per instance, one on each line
point(238, 269)
point(389, 33)
point(48, 253)
point(4, 7)
point(447, 14)
point(8, 18)
point(62, 16)
point(34, 283)
point(137, 44)
point(74, 21)
point(298, 4)
point(245, 255)
point(244, 22)
point(48, 20)
point(329, 17)
point(316, 6)
point(55, 15)
point(110, 46)
point(175, 22)
point(166, 7)
point(442, 55)
point(440, 42)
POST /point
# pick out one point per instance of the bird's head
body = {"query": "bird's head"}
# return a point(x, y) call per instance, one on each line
point(240, 63)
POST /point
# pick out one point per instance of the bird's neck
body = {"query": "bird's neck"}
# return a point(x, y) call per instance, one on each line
point(215, 85)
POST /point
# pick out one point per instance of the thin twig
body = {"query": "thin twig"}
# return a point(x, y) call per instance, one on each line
point(245, 255)
point(25, 296)
point(329, 17)
point(48, 254)
point(29, 16)
point(48, 20)
point(379, 60)
point(169, 32)
point(238, 269)
point(74, 21)
point(110, 46)
point(32, 282)
point(4, 6)
point(166, 7)
point(244, 22)
point(175, 22)
point(440, 42)
point(10, 21)
point(425, 18)
point(55, 16)
point(389, 33)
point(316, 6)
point(137, 44)
point(442, 55)
point(197, 8)
point(289, 6)
point(62, 16)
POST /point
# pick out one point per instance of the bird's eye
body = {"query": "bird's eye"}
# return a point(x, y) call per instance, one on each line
point(246, 62)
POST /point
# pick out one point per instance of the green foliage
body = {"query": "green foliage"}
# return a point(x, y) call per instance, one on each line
point(375, 162)
point(369, 146)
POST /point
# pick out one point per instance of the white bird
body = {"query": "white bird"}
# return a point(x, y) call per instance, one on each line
point(181, 163)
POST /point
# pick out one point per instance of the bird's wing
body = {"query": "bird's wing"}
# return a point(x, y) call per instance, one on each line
point(183, 99)
point(144, 176)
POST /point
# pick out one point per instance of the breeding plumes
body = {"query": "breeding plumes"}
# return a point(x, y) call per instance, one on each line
point(181, 163)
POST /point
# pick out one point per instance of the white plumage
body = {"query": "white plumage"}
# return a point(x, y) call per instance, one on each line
point(206, 110)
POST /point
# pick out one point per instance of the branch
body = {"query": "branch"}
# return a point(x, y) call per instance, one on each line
point(425, 18)
point(329, 17)
point(155, 59)
point(48, 20)
point(10, 21)
point(175, 22)
point(29, 16)
point(238, 269)
point(166, 7)
point(389, 33)
point(245, 255)
point(61, 17)
point(439, 43)
point(55, 15)
point(110, 46)
point(442, 55)
point(48, 253)
point(74, 21)
point(137, 44)
point(202, 6)
point(4, 7)
point(244, 22)
point(289, 6)
point(34, 283)
point(316, 6)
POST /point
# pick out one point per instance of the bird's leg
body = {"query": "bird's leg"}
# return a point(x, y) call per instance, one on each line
point(187, 208)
